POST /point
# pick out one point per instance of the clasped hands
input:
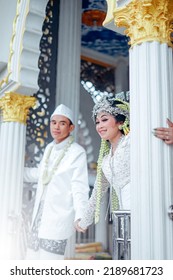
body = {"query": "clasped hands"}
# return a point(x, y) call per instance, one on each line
point(78, 228)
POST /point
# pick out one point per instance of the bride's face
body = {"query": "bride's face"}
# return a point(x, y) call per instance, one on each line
point(107, 126)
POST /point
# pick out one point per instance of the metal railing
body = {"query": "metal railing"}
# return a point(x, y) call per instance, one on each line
point(121, 235)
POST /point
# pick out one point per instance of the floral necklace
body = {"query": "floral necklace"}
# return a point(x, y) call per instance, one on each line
point(48, 174)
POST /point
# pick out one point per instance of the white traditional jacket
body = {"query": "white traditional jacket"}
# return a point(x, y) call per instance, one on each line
point(66, 195)
point(116, 174)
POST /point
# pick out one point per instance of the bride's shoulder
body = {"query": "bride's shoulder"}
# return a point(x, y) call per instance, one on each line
point(126, 139)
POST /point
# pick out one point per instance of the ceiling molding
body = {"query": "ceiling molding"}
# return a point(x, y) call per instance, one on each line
point(102, 59)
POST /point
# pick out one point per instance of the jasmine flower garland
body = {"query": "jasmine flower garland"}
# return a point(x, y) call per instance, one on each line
point(47, 175)
point(104, 150)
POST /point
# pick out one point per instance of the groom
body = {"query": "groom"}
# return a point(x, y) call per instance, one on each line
point(62, 189)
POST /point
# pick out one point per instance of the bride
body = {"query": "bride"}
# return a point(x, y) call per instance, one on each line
point(111, 117)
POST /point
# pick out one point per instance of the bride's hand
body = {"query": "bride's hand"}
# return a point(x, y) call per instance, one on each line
point(77, 227)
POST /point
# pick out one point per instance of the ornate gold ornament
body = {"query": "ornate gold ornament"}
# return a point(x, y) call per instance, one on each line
point(145, 20)
point(15, 107)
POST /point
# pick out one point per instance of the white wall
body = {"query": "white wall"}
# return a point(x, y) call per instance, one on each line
point(7, 15)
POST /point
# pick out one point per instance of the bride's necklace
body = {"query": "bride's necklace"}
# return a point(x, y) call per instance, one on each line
point(48, 174)
point(113, 149)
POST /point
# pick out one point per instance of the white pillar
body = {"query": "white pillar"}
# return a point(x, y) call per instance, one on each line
point(69, 52)
point(121, 76)
point(151, 102)
point(20, 53)
point(68, 68)
point(148, 25)
point(12, 151)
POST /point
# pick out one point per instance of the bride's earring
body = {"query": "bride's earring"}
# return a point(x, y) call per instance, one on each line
point(120, 127)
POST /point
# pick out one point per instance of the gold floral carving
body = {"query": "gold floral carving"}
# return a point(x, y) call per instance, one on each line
point(15, 107)
point(146, 20)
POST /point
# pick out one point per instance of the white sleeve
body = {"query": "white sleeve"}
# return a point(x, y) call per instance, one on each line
point(80, 185)
point(31, 174)
point(88, 216)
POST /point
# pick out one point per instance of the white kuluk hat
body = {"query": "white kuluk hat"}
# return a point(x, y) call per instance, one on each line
point(64, 111)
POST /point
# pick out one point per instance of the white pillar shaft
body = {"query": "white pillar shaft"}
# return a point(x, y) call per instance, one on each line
point(121, 77)
point(151, 102)
point(69, 49)
point(68, 68)
point(12, 143)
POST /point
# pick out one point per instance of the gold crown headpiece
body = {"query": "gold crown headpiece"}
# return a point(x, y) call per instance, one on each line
point(114, 107)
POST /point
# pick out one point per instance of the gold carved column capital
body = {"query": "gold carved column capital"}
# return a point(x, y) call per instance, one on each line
point(146, 20)
point(15, 107)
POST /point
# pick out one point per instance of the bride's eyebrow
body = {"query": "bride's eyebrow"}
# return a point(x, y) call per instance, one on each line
point(105, 115)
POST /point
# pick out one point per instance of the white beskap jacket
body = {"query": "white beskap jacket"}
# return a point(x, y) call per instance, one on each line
point(66, 194)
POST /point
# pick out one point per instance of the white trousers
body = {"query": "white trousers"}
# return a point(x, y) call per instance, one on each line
point(42, 255)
